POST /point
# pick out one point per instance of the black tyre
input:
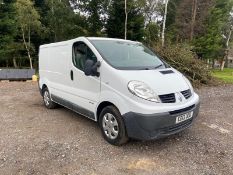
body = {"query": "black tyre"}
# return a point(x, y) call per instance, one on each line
point(47, 99)
point(112, 126)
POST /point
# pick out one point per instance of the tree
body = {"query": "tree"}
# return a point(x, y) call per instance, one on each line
point(14, 53)
point(151, 34)
point(28, 22)
point(59, 22)
point(126, 19)
point(95, 10)
point(164, 22)
point(211, 44)
point(186, 19)
point(62, 22)
point(152, 10)
point(7, 29)
point(227, 49)
point(115, 26)
point(228, 36)
point(194, 14)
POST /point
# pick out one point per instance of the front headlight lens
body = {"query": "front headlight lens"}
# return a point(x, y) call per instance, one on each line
point(141, 90)
point(189, 84)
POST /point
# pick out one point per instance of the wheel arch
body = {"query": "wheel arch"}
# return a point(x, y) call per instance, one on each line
point(44, 86)
point(111, 99)
point(101, 106)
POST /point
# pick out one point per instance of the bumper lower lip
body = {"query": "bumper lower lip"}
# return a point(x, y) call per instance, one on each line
point(154, 126)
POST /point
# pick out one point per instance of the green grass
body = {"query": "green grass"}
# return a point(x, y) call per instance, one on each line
point(226, 75)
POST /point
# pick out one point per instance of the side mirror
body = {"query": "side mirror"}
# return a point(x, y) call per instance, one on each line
point(90, 68)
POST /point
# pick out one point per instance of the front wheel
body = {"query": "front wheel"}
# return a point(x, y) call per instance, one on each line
point(112, 126)
point(47, 99)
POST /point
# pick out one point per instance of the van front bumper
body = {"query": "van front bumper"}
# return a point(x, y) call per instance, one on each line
point(154, 126)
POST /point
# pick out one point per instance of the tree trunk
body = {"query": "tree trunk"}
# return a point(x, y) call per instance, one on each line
point(225, 59)
point(126, 19)
point(213, 63)
point(194, 14)
point(15, 63)
point(26, 47)
point(164, 22)
point(54, 27)
point(29, 37)
point(222, 65)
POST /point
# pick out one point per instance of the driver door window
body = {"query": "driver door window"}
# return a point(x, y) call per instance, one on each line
point(81, 52)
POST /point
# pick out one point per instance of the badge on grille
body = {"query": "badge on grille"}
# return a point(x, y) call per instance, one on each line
point(179, 96)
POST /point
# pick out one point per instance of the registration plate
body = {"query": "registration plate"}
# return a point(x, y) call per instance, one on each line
point(184, 117)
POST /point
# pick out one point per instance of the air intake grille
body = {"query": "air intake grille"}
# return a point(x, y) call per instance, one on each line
point(187, 93)
point(167, 72)
point(182, 110)
point(168, 98)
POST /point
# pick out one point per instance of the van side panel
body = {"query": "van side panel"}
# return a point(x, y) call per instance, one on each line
point(54, 69)
point(55, 65)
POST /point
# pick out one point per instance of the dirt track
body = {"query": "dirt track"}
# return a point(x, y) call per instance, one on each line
point(35, 140)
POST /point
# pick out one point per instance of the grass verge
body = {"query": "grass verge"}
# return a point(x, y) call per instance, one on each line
point(226, 75)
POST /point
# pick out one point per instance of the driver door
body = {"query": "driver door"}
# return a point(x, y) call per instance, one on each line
point(85, 89)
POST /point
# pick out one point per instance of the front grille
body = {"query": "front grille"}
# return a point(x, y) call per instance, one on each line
point(182, 110)
point(167, 98)
point(170, 98)
point(187, 93)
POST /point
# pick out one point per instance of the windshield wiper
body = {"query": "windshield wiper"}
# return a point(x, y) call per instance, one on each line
point(150, 68)
point(158, 66)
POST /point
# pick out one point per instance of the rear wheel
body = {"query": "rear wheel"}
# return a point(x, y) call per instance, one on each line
point(112, 126)
point(47, 99)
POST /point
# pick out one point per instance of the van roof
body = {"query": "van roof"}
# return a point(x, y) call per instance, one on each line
point(107, 39)
point(89, 38)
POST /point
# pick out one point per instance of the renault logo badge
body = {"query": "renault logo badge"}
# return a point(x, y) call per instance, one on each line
point(179, 97)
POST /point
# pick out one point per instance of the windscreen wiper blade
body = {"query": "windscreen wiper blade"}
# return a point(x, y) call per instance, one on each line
point(158, 66)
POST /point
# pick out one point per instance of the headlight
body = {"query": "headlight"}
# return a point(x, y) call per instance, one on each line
point(189, 84)
point(141, 90)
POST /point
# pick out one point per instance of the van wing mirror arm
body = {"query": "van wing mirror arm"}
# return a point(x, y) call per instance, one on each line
point(95, 67)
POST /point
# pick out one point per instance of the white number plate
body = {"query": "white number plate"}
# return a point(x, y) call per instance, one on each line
point(184, 117)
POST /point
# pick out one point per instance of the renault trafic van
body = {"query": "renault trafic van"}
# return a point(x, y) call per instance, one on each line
point(121, 84)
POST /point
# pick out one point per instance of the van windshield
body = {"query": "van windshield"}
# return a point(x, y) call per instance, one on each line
point(127, 55)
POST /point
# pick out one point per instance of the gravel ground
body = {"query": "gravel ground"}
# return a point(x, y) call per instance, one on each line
point(35, 140)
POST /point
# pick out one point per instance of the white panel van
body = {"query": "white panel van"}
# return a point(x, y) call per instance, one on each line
point(121, 84)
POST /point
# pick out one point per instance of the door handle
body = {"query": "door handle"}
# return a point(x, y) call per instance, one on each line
point(71, 75)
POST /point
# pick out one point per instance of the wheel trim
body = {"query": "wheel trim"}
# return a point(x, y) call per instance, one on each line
point(110, 126)
point(46, 98)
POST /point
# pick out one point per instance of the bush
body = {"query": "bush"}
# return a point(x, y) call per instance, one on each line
point(183, 59)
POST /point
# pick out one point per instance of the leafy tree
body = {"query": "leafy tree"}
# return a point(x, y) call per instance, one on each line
point(116, 20)
point(151, 34)
point(15, 49)
point(62, 22)
point(94, 20)
point(95, 10)
point(186, 19)
point(212, 43)
point(7, 29)
point(152, 10)
point(228, 39)
point(28, 22)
